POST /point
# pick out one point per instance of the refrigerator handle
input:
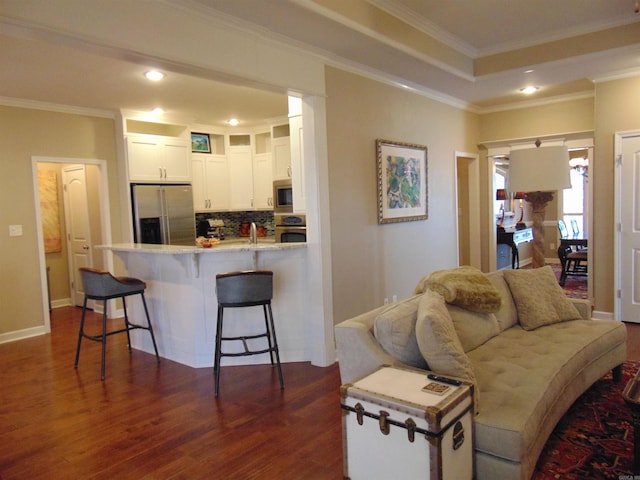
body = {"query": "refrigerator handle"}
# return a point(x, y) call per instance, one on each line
point(164, 217)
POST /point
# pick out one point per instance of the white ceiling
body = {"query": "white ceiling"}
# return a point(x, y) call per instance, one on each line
point(41, 68)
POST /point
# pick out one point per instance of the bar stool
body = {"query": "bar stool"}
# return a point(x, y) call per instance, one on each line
point(246, 289)
point(103, 286)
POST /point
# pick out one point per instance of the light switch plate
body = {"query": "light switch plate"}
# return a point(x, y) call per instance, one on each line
point(15, 230)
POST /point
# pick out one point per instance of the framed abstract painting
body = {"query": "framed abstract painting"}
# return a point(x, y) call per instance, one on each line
point(402, 182)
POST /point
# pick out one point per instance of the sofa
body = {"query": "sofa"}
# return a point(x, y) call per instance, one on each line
point(529, 350)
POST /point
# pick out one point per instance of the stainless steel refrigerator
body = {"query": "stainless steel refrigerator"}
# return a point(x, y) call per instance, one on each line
point(163, 214)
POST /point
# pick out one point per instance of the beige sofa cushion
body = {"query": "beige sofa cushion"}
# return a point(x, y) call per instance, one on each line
point(473, 329)
point(538, 297)
point(507, 315)
point(395, 330)
point(465, 286)
point(438, 341)
point(526, 376)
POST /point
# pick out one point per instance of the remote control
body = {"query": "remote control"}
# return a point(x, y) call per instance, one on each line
point(448, 381)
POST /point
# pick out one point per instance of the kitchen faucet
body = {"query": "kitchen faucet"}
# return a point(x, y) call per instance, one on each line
point(253, 235)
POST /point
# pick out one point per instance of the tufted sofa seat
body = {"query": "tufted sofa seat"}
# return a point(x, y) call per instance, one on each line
point(527, 378)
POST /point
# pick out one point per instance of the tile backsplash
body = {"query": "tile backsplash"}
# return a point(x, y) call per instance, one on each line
point(232, 220)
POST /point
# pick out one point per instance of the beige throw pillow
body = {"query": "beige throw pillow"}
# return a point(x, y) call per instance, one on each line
point(395, 330)
point(507, 315)
point(473, 329)
point(438, 341)
point(538, 297)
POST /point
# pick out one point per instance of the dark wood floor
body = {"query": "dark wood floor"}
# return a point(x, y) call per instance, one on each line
point(163, 422)
point(159, 422)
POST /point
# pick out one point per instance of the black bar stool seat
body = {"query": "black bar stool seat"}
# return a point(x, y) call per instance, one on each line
point(246, 289)
point(99, 285)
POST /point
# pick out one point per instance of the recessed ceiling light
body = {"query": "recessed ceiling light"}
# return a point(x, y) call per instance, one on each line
point(529, 71)
point(157, 112)
point(529, 90)
point(233, 122)
point(154, 75)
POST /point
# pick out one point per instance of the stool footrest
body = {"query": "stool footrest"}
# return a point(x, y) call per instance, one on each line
point(98, 338)
point(246, 353)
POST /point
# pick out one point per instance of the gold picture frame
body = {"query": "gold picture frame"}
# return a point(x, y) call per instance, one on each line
point(402, 181)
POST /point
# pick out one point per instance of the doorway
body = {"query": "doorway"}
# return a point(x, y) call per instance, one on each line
point(467, 189)
point(84, 210)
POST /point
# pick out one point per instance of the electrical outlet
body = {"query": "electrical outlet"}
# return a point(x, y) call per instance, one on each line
point(386, 301)
point(552, 246)
point(15, 230)
point(394, 298)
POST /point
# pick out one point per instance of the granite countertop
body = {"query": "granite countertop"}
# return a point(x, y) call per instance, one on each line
point(232, 244)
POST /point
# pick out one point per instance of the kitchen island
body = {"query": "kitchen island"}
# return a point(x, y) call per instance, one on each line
point(183, 305)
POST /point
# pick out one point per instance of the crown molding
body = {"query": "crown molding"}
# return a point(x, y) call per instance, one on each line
point(55, 107)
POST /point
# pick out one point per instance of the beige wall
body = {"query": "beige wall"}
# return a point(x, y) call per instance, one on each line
point(25, 133)
point(616, 107)
point(371, 261)
point(555, 118)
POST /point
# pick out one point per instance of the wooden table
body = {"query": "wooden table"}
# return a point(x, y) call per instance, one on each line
point(576, 240)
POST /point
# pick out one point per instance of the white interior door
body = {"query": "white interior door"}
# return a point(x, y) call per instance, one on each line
point(78, 228)
point(628, 227)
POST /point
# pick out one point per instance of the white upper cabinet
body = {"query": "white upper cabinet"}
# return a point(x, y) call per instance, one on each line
point(262, 181)
point(263, 172)
point(158, 159)
point(281, 152)
point(240, 173)
point(210, 182)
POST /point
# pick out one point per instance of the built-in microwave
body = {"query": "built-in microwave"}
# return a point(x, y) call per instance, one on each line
point(282, 196)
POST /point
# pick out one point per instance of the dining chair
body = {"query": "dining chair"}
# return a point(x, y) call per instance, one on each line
point(572, 263)
point(562, 227)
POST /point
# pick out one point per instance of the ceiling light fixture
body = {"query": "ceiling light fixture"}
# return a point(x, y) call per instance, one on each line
point(154, 75)
point(233, 122)
point(156, 112)
point(529, 71)
point(529, 90)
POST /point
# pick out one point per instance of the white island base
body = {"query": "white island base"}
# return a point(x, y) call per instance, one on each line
point(183, 305)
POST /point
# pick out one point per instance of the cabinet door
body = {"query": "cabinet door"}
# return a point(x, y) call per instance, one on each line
point(144, 156)
point(198, 172)
point(177, 161)
point(217, 182)
point(281, 157)
point(158, 159)
point(241, 178)
point(263, 181)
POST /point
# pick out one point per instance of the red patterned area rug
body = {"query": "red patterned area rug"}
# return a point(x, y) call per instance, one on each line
point(594, 439)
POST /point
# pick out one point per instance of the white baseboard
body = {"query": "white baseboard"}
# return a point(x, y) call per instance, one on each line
point(600, 315)
point(22, 334)
point(61, 302)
